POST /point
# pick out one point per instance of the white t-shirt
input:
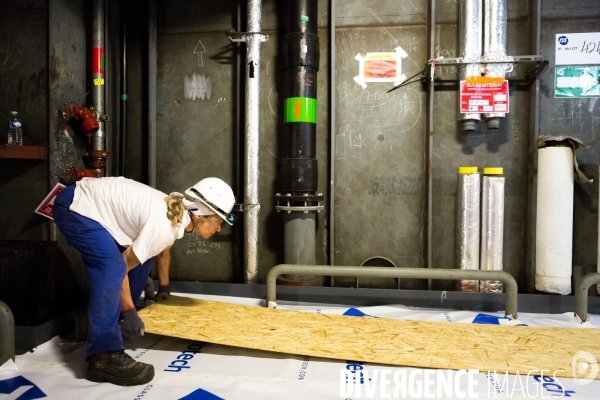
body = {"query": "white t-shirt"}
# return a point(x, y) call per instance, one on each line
point(133, 213)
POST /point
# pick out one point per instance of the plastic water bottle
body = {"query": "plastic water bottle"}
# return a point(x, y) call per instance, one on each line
point(15, 133)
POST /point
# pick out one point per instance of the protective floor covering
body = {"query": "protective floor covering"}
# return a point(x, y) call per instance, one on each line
point(187, 369)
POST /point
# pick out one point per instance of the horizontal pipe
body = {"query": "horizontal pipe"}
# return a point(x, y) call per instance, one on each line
point(381, 272)
point(581, 294)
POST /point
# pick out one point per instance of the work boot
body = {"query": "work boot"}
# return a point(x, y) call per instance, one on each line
point(118, 368)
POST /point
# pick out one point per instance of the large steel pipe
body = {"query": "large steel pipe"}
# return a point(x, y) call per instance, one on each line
point(470, 49)
point(299, 171)
point(494, 48)
point(380, 272)
point(301, 64)
point(251, 146)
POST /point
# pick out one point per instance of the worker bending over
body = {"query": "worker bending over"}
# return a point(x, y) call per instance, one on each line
point(119, 225)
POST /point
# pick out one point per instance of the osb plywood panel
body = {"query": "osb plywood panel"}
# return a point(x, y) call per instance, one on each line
point(375, 340)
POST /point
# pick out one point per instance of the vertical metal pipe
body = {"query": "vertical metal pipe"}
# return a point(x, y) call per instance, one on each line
point(108, 93)
point(299, 168)
point(492, 230)
point(98, 71)
point(467, 226)
point(332, 138)
point(252, 133)
point(238, 256)
point(299, 243)
point(7, 334)
point(152, 93)
point(527, 283)
point(299, 164)
point(470, 43)
point(494, 47)
point(429, 145)
point(598, 259)
point(123, 121)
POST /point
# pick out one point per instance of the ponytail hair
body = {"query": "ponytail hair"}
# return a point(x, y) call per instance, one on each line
point(175, 209)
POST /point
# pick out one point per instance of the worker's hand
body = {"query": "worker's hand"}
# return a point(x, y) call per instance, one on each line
point(132, 325)
point(164, 292)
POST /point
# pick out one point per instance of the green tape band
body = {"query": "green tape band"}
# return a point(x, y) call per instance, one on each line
point(304, 18)
point(300, 109)
point(123, 97)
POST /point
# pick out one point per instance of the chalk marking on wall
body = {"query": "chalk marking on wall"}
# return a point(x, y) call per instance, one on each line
point(197, 87)
point(199, 49)
point(360, 144)
point(340, 147)
point(591, 106)
point(274, 102)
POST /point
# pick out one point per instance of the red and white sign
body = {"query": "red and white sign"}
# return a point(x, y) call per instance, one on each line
point(481, 94)
point(45, 208)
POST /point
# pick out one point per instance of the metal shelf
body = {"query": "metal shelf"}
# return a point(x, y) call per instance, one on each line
point(24, 152)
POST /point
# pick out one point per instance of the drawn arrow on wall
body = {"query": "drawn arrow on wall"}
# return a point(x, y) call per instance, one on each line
point(199, 50)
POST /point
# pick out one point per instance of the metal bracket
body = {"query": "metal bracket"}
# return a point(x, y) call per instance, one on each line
point(512, 60)
point(284, 203)
point(540, 63)
point(304, 209)
point(239, 37)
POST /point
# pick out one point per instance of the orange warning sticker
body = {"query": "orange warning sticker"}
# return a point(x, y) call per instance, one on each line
point(484, 80)
point(380, 69)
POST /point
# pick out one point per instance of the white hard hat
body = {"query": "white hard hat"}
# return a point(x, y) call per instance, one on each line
point(216, 195)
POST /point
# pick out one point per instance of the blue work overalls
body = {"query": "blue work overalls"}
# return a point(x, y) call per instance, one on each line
point(105, 268)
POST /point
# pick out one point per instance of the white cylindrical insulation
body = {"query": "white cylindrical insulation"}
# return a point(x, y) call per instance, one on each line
point(468, 224)
point(492, 230)
point(554, 227)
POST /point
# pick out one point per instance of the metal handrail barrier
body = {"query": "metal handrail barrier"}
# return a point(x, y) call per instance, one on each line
point(7, 333)
point(510, 285)
point(581, 294)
